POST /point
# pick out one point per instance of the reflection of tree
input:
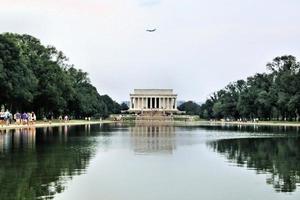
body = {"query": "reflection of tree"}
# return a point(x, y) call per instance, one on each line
point(278, 157)
point(37, 163)
point(252, 128)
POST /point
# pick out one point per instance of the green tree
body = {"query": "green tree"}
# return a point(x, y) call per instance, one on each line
point(17, 83)
point(124, 106)
point(190, 107)
point(39, 78)
point(274, 95)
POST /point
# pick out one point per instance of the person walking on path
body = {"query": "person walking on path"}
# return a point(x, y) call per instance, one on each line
point(24, 118)
point(50, 117)
point(33, 117)
point(7, 117)
point(2, 117)
point(17, 118)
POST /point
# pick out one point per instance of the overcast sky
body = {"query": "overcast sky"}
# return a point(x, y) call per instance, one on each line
point(198, 48)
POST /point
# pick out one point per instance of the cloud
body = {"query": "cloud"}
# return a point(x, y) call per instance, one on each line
point(149, 2)
point(200, 46)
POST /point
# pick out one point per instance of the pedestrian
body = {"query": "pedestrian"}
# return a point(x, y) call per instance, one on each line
point(7, 117)
point(33, 117)
point(29, 118)
point(24, 118)
point(17, 117)
point(66, 118)
point(50, 117)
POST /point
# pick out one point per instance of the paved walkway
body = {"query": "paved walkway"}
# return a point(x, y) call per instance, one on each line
point(47, 124)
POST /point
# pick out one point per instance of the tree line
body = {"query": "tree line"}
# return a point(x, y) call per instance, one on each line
point(190, 108)
point(274, 95)
point(38, 78)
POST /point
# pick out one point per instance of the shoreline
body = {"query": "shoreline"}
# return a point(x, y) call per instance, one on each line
point(40, 124)
point(262, 123)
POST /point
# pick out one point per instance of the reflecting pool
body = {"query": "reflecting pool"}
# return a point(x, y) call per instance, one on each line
point(150, 161)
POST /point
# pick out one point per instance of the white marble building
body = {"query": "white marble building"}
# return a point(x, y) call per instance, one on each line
point(153, 100)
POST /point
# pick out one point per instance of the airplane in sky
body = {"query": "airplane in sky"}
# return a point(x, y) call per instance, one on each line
point(151, 30)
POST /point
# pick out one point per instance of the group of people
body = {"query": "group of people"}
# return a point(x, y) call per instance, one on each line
point(65, 118)
point(6, 118)
point(25, 118)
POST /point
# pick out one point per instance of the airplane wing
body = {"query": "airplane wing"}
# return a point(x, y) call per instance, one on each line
point(151, 30)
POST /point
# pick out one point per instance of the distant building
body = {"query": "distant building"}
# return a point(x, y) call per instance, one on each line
point(153, 100)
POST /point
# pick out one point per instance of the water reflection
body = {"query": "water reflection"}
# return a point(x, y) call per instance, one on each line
point(148, 139)
point(18, 138)
point(275, 130)
point(279, 158)
point(37, 163)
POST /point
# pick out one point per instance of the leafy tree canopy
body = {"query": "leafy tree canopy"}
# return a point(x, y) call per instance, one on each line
point(34, 77)
point(190, 107)
point(267, 96)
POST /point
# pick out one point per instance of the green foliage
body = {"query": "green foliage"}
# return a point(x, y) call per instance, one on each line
point(38, 78)
point(124, 106)
point(190, 107)
point(267, 96)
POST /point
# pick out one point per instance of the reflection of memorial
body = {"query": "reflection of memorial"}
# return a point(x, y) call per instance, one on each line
point(279, 158)
point(153, 138)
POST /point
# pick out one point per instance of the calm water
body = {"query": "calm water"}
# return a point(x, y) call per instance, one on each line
point(146, 162)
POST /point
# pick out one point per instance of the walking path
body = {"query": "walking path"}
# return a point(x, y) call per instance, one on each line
point(192, 123)
point(56, 123)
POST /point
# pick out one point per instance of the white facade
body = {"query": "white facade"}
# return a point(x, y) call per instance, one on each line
point(153, 100)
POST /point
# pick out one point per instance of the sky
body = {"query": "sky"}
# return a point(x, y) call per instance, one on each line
point(199, 47)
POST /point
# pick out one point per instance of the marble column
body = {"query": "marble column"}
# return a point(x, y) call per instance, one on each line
point(133, 103)
point(140, 103)
point(147, 102)
point(160, 102)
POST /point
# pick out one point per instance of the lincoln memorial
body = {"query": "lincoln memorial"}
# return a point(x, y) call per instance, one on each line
point(145, 100)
